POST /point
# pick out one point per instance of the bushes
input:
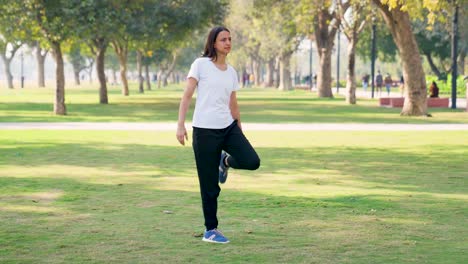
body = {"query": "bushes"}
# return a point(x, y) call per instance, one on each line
point(343, 83)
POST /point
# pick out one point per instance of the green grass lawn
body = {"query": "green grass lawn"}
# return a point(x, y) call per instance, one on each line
point(161, 105)
point(319, 197)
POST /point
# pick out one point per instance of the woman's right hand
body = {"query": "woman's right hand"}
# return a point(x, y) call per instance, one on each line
point(181, 134)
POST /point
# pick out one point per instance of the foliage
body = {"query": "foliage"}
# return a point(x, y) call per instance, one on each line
point(12, 28)
point(445, 86)
point(244, 33)
point(276, 25)
point(162, 29)
point(78, 54)
point(416, 8)
point(385, 46)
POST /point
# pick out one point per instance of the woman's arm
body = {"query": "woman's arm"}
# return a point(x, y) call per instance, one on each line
point(235, 109)
point(183, 108)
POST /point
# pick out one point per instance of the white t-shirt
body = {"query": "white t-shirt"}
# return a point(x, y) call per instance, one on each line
point(213, 94)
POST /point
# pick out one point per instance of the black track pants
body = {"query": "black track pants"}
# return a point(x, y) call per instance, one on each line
point(207, 146)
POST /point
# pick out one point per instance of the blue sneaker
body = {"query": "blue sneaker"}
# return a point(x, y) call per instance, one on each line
point(223, 169)
point(215, 236)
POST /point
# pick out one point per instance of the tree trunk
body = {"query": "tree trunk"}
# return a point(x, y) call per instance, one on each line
point(76, 74)
point(123, 74)
point(76, 71)
point(122, 53)
point(101, 46)
point(277, 73)
point(6, 68)
point(270, 69)
point(257, 72)
point(461, 62)
point(434, 68)
point(40, 58)
point(285, 72)
point(147, 78)
point(170, 69)
point(59, 105)
point(139, 69)
point(162, 69)
point(324, 78)
point(114, 77)
point(415, 80)
point(90, 71)
point(325, 32)
point(351, 74)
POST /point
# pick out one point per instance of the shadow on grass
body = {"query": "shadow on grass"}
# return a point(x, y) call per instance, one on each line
point(435, 169)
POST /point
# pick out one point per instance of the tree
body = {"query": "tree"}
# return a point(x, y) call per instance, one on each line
point(385, 46)
point(75, 52)
point(100, 21)
point(399, 23)
point(184, 17)
point(122, 38)
point(8, 50)
point(353, 24)
point(396, 14)
point(121, 50)
point(463, 28)
point(433, 40)
point(325, 20)
point(279, 34)
point(41, 54)
point(113, 64)
point(51, 21)
point(11, 38)
point(246, 33)
point(433, 44)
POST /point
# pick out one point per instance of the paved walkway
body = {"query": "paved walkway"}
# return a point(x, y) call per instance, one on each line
point(246, 126)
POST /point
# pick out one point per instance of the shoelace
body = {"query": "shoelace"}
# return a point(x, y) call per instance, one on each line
point(218, 232)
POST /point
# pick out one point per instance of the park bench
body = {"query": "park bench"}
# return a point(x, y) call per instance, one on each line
point(394, 102)
point(302, 87)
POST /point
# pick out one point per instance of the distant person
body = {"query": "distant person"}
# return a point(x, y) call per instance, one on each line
point(314, 80)
point(379, 83)
point(307, 80)
point(218, 141)
point(433, 90)
point(402, 85)
point(365, 82)
point(388, 83)
point(245, 79)
point(251, 79)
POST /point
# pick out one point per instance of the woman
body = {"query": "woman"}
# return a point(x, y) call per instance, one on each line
point(433, 90)
point(216, 123)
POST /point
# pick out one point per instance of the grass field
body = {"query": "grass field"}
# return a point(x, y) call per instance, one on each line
point(161, 105)
point(318, 197)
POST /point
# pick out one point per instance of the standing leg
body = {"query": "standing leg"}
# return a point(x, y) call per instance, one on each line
point(207, 148)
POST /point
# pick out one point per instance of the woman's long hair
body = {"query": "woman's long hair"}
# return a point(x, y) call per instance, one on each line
point(210, 50)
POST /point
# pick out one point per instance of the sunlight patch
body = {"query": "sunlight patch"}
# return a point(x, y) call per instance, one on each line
point(40, 197)
point(29, 209)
